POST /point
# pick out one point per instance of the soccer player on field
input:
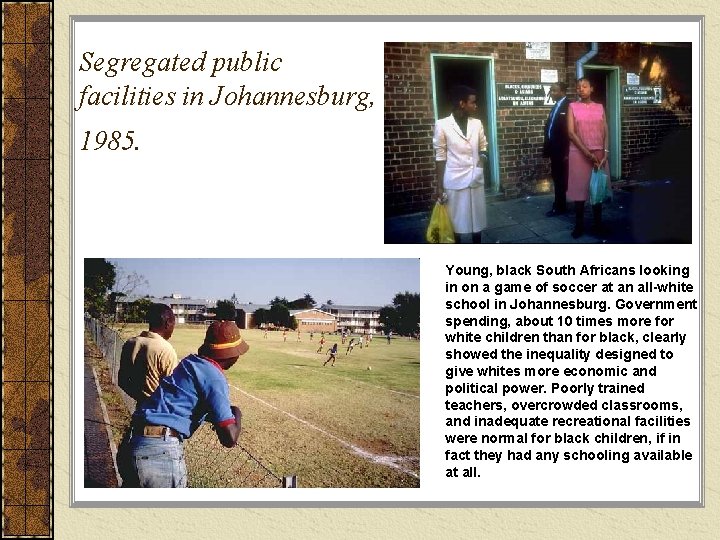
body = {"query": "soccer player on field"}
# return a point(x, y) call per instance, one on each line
point(331, 354)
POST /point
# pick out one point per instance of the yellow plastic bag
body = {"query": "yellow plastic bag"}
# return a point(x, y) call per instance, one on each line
point(440, 230)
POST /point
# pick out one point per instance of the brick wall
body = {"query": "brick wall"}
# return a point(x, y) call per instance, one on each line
point(650, 137)
point(409, 162)
point(409, 166)
point(305, 326)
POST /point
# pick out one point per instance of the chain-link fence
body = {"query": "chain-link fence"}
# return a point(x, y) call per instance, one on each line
point(209, 463)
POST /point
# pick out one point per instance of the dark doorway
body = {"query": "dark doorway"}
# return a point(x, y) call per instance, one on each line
point(598, 80)
point(605, 81)
point(476, 72)
point(453, 71)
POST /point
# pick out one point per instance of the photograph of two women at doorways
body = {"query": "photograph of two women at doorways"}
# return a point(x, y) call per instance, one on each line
point(526, 142)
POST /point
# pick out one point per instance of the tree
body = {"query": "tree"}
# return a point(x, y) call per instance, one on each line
point(388, 319)
point(234, 299)
point(126, 285)
point(113, 301)
point(280, 315)
point(279, 301)
point(137, 311)
point(225, 310)
point(306, 302)
point(407, 305)
point(403, 317)
point(261, 316)
point(99, 279)
point(329, 302)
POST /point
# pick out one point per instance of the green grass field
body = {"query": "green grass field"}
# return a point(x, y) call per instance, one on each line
point(341, 426)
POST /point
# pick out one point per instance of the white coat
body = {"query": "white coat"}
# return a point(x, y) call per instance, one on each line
point(460, 153)
point(464, 180)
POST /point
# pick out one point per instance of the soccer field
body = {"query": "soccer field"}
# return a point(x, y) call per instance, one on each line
point(341, 426)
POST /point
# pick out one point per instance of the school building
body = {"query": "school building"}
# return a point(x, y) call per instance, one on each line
point(309, 320)
point(328, 318)
point(314, 320)
point(355, 319)
point(186, 309)
point(645, 89)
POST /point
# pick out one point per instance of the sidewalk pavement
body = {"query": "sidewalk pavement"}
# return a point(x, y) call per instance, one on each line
point(648, 212)
point(99, 465)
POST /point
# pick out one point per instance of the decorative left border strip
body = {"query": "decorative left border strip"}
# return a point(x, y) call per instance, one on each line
point(27, 276)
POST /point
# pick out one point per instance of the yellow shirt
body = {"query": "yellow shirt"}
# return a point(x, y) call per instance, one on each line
point(145, 360)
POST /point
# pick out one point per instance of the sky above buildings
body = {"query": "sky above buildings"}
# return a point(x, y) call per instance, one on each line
point(344, 281)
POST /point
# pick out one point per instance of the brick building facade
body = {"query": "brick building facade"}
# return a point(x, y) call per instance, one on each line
point(418, 76)
point(314, 320)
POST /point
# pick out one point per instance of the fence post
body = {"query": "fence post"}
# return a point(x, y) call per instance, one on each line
point(289, 481)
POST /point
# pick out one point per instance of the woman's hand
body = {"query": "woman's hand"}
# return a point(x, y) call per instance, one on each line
point(442, 198)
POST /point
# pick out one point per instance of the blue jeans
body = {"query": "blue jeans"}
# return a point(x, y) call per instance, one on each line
point(150, 462)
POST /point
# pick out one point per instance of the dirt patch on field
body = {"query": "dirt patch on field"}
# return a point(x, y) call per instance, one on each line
point(376, 446)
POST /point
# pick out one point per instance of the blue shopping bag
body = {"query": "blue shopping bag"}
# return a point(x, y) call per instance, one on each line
point(599, 187)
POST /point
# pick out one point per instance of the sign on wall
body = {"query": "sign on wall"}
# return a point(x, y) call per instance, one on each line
point(642, 95)
point(523, 95)
point(549, 75)
point(537, 50)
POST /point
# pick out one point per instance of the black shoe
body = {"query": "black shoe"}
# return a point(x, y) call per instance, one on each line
point(577, 233)
point(553, 213)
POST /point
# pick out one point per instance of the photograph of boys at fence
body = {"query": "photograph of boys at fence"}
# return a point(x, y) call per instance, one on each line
point(533, 142)
point(204, 391)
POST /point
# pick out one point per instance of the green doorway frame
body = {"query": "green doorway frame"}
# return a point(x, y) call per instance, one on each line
point(613, 99)
point(487, 64)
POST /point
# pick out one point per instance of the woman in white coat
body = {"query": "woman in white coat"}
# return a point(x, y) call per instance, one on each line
point(460, 153)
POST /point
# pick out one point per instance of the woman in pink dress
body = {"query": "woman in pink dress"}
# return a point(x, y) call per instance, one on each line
point(588, 134)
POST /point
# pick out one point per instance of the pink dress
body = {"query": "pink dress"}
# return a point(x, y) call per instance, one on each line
point(590, 127)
